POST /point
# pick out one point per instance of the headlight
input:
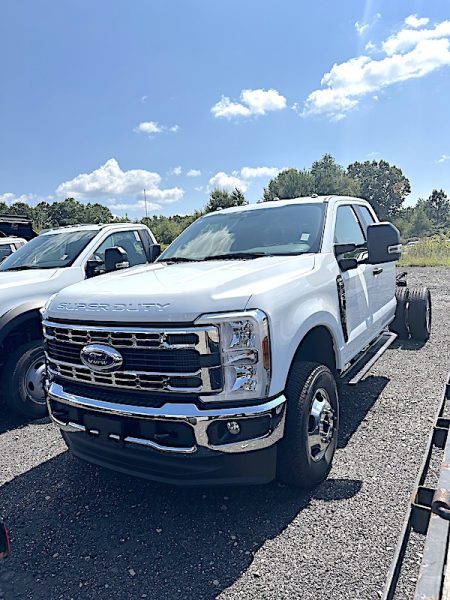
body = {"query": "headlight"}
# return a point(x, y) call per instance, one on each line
point(245, 348)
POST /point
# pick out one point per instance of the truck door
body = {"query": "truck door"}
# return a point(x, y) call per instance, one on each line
point(380, 281)
point(358, 321)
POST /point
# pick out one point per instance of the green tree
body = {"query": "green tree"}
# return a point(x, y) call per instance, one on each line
point(420, 223)
point(437, 209)
point(290, 183)
point(331, 178)
point(382, 184)
point(222, 199)
point(67, 212)
point(96, 213)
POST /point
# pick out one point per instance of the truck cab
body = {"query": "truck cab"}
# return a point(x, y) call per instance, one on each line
point(28, 277)
point(219, 363)
point(8, 245)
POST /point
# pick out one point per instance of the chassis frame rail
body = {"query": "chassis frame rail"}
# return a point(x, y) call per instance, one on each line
point(429, 514)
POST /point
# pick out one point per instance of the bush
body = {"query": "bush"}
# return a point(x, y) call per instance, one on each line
point(428, 252)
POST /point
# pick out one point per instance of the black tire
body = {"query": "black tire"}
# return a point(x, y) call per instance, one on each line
point(419, 313)
point(19, 390)
point(296, 466)
point(400, 323)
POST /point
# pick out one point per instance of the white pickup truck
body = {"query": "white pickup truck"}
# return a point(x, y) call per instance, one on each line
point(28, 277)
point(220, 362)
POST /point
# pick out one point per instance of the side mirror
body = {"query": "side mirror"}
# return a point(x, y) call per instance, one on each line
point(340, 249)
point(4, 542)
point(94, 266)
point(155, 251)
point(115, 259)
point(383, 243)
point(345, 264)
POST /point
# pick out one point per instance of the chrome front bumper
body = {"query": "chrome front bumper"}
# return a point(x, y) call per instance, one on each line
point(198, 419)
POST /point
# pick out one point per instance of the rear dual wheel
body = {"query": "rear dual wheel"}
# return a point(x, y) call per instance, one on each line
point(419, 313)
point(413, 314)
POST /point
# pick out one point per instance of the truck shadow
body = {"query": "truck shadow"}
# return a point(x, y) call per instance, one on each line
point(81, 532)
point(10, 421)
point(355, 402)
point(410, 345)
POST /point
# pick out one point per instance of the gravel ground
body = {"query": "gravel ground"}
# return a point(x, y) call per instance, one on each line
point(82, 532)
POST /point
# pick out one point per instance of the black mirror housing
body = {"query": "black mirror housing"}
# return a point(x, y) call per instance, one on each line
point(340, 249)
point(383, 243)
point(116, 258)
point(155, 251)
point(93, 267)
point(345, 264)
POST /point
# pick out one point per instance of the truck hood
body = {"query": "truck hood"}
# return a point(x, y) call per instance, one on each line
point(177, 292)
point(19, 287)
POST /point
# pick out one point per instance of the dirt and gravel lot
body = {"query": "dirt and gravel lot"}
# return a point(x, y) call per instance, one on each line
point(82, 532)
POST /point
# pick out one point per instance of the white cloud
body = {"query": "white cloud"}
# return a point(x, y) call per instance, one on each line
point(227, 182)
point(252, 102)
point(369, 47)
point(444, 158)
point(250, 172)
point(405, 58)
point(176, 171)
point(151, 127)
point(193, 173)
point(10, 198)
point(415, 21)
point(148, 127)
point(109, 181)
point(200, 188)
point(362, 27)
point(406, 38)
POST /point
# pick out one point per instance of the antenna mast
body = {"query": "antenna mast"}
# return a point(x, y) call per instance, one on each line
point(145, 200)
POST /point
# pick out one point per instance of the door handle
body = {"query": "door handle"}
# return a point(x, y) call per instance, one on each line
point(377, 271)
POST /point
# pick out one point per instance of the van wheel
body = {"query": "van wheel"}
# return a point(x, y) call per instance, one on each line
point(419, 313)
point(305, 453)
point(23, 385)
point(400, 323)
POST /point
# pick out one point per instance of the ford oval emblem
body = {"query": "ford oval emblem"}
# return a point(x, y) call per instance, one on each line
point(101, 358)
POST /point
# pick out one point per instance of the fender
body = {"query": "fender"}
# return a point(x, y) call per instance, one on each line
point(14, 317)
point(285, 350)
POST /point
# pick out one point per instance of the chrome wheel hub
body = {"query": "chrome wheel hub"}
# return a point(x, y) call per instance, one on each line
point(34, 381)
point(321, 425)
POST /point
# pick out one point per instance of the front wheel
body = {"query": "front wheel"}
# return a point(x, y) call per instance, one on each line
point(23, 384)
point(312, 420)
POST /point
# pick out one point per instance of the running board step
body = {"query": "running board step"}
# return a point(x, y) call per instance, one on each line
point(368, 357)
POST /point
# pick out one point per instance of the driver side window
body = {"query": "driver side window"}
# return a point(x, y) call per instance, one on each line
point(348, 231)
point(129, 241)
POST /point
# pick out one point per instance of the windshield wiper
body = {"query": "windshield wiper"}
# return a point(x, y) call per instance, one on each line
point(236, 255)
point(177, 259)
point(24, 268)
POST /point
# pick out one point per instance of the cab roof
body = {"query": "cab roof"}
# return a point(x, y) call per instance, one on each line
point(286, 202)
point(99, 227)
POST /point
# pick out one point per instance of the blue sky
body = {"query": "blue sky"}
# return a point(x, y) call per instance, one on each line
point(101, 99)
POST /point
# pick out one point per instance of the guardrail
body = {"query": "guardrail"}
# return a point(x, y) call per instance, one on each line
point(429, 515)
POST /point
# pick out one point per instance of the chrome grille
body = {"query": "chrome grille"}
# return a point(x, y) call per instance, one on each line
point(162, 360)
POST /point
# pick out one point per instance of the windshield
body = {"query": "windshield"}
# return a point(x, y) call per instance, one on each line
point(49, 251)
point(290, 229)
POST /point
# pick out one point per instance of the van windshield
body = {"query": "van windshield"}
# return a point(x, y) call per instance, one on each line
point(285, 230)
point(51, 251)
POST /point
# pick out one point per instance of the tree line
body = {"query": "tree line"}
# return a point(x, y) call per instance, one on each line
point(382, 184)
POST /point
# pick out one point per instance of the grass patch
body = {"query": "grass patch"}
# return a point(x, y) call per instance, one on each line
point(428, 252)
